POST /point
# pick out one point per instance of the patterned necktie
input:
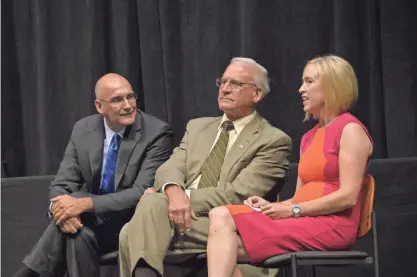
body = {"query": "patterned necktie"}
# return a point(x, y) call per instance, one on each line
point(107, 180)
point(210, 171)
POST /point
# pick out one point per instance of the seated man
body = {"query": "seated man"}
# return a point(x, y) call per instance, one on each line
point(109, 162)
point(219, 161)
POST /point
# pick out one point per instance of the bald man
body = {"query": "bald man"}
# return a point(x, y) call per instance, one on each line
point(108, 164)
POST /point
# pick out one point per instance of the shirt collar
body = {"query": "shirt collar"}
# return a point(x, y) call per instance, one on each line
point(110, 133)
point(240, 123)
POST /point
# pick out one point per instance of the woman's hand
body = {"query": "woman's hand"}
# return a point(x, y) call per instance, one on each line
point(277, 210)
point(256, 202)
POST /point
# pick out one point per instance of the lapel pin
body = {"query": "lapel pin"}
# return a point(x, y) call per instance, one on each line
point(241, 146)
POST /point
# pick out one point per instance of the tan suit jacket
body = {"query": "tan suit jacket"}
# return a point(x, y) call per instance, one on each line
point(255, 165)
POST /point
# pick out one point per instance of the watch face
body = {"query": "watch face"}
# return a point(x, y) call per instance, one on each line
point(296, 210)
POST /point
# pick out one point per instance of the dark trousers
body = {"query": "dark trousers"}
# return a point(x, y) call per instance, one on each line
point(78, 254)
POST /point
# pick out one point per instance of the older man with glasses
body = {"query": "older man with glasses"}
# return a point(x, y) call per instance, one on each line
point(222, 160)
point(109, 162)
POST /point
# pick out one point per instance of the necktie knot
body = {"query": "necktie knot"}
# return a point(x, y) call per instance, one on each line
point(228, 126)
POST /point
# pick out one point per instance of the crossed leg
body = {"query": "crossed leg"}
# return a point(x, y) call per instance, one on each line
point(224, 247)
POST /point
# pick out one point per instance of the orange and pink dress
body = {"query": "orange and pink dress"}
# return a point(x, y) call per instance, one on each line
point(319, 170)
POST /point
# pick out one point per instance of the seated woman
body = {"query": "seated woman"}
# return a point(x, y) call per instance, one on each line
point(324, 212)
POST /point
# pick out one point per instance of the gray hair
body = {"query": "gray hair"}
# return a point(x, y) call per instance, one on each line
point(261, 78)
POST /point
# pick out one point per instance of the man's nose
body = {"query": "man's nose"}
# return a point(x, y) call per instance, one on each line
point(126, 103)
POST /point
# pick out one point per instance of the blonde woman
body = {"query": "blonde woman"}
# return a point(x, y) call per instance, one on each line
point(324, 212)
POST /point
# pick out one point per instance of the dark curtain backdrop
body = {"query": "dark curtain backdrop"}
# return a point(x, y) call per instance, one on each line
point(171, 51)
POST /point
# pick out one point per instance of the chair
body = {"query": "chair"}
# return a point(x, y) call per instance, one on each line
point(335, 258)
point(109, 258)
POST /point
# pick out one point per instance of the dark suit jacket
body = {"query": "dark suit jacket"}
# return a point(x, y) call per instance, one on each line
point(145, 146)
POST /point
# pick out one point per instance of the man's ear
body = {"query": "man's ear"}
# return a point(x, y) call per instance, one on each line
point(258, 94)
point(99, 106)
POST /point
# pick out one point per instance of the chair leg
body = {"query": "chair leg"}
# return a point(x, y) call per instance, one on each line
point(375, 244)
point(313, 271)
point(293, 266)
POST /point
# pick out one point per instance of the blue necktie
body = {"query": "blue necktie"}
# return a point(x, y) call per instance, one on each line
point(107, 180)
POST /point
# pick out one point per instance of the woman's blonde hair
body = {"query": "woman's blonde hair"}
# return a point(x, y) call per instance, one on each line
point(339, 84)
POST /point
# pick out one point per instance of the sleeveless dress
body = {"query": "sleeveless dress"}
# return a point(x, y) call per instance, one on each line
point(319, 170)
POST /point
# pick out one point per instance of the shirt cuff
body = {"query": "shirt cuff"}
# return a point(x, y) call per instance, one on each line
point(166, 184)
point(50, 210)
point(187, 191)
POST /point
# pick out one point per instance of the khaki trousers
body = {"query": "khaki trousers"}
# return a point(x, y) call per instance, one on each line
point(151, 236)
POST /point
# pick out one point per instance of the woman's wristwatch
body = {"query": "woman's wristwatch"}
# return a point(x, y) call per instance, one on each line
point(296, 210)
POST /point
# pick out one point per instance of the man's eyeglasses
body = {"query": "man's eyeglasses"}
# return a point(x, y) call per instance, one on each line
point(234, 85)
point(118, 100)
